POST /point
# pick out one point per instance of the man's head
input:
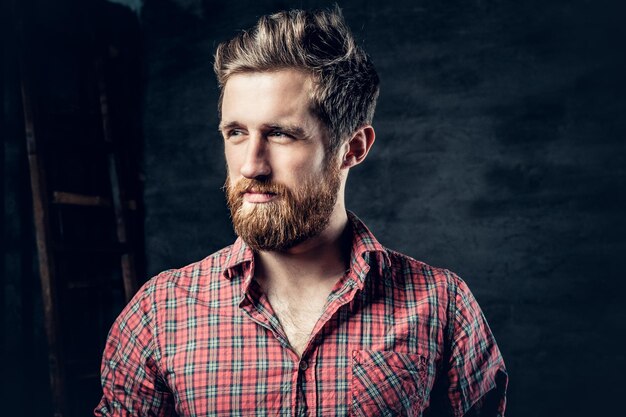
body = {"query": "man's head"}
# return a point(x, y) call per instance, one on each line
point(345, 83)
point(297, 97)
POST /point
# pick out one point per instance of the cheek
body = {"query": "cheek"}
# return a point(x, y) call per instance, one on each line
point(233, 162)
point(301, 165)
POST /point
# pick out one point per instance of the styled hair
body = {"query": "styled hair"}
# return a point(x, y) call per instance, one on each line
point(345, 82)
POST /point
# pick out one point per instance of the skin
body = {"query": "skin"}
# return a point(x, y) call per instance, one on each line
point(269, 132)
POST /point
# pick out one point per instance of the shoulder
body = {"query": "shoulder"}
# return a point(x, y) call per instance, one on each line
point(195, 273)
point(406, 270)
point(424, 286)
point(438, 285)
point(399, 270)
point(191, 280)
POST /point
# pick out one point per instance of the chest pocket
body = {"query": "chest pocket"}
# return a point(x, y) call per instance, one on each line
point(386, 383)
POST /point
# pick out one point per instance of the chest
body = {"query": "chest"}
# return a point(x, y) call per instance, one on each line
point(234, 361)
point(298, 317)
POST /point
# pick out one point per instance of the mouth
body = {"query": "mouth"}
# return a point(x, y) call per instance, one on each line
point(257, 197)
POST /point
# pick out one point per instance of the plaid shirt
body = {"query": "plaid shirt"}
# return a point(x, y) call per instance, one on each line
point(397, 337)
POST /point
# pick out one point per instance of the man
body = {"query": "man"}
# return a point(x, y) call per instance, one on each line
point(306, 313)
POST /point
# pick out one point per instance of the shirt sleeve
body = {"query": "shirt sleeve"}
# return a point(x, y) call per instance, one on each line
point(132, 384)
point(476, 376)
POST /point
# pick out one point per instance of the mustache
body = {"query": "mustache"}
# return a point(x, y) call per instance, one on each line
point(245, 185)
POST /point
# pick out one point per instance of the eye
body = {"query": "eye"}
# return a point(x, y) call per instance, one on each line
point(234, 134)
point(280, 136)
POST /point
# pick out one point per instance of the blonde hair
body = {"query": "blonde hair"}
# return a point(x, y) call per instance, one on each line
point(345, 83)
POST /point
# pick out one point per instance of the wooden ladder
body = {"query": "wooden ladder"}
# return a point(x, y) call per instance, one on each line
point(78, 283)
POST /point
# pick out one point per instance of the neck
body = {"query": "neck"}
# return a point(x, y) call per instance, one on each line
point(319, 260)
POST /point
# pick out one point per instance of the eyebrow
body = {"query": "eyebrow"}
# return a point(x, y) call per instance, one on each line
point(227, 126)
point(290, 129)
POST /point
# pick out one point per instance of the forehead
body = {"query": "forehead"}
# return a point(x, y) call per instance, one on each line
point(282, 93)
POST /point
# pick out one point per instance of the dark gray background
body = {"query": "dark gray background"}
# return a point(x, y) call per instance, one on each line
point(500, 154)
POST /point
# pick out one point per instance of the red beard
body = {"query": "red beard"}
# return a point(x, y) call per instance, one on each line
point(290, 218)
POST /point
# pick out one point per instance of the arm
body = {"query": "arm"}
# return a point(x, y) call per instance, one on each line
point(472, 380)
point(132, 384)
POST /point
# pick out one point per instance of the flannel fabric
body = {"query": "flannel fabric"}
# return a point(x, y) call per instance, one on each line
point(397, 337)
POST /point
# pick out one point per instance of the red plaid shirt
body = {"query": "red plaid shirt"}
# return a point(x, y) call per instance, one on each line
point(397, 337)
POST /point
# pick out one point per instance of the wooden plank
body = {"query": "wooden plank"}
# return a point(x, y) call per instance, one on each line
point(115, 248)
point(76, 199)
point(60, 197)
point(44, 252)
point(127, 261)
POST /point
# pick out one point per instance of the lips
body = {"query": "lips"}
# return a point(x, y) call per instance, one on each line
point(250, 190)
point(254, 196)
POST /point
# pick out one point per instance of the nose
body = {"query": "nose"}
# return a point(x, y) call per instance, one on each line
point(256, 162)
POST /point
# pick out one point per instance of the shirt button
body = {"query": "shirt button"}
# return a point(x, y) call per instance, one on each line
point(303, 365)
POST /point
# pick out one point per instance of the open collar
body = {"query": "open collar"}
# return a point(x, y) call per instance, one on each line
point(365, 248)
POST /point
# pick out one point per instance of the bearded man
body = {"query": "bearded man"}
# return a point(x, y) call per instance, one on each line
point(306, 314)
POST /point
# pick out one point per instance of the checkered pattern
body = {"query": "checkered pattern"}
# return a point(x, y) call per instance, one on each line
point(397, 337)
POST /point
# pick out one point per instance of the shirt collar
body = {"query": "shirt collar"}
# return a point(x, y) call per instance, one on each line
point(239, 253)
point(363, 241)
point(365, 248)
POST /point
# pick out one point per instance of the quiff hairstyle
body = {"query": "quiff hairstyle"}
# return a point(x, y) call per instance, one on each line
point(345, 83)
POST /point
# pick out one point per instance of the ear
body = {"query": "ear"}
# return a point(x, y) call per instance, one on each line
point(357, 148)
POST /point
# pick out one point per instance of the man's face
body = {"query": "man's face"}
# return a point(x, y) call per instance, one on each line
point(281, 184)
